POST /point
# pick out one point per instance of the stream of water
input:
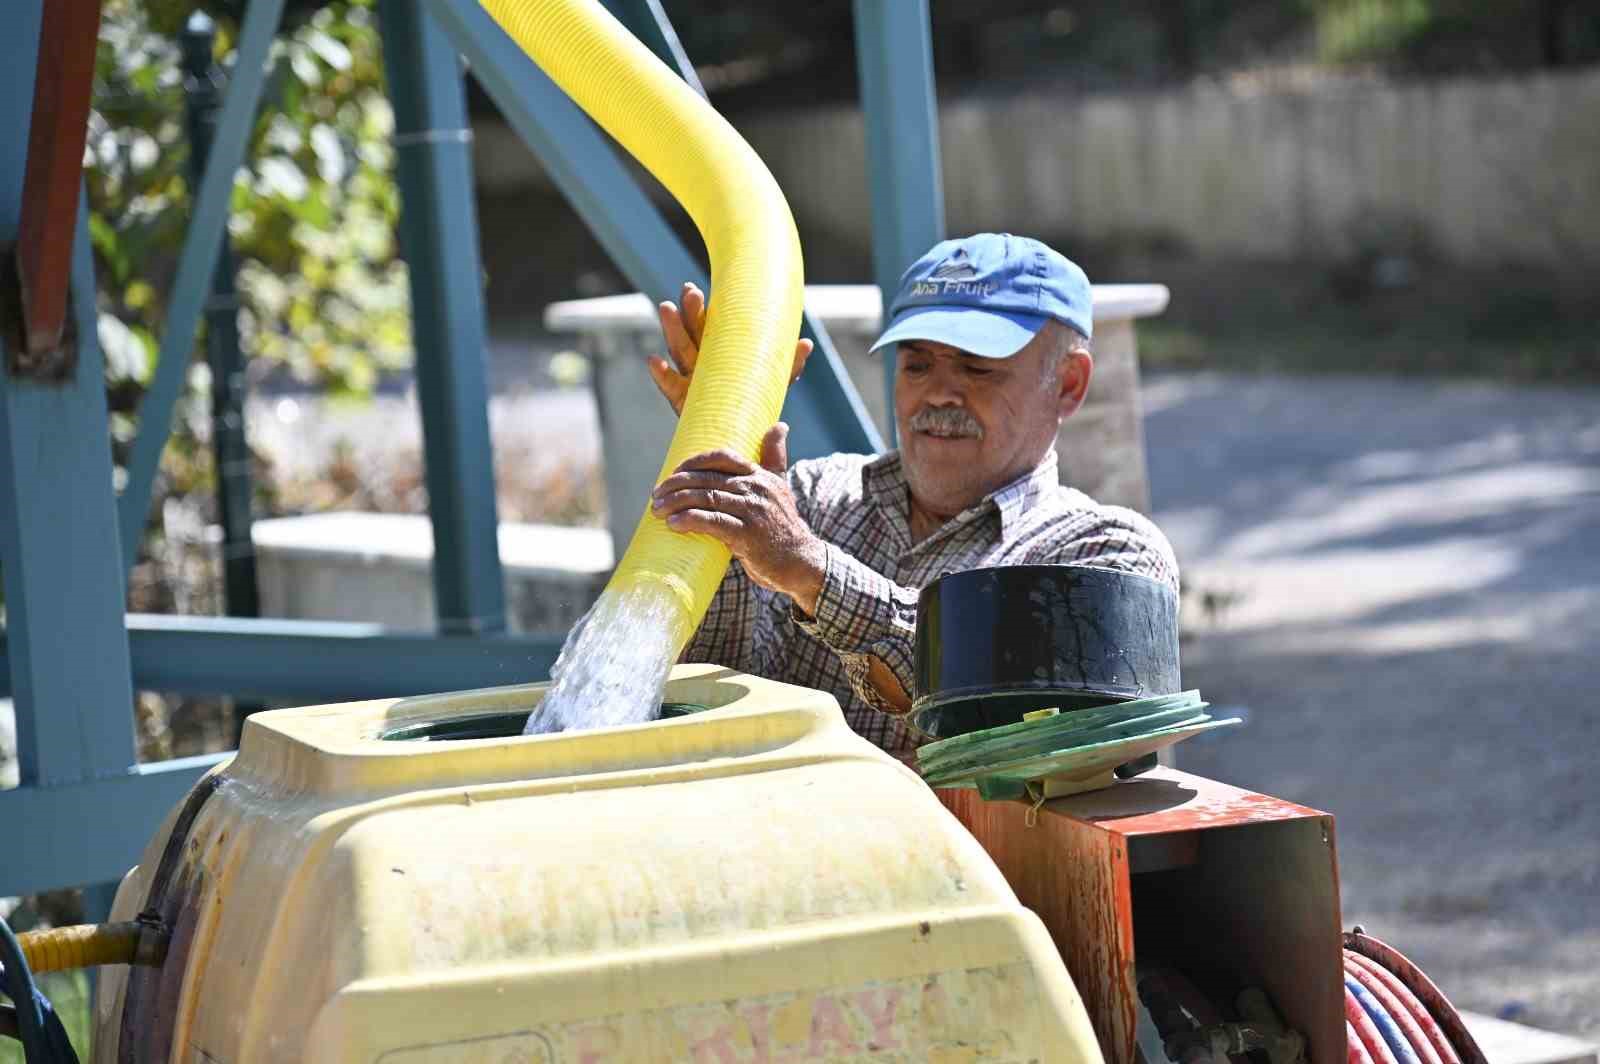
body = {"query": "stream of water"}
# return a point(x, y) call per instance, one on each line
point(612, 669)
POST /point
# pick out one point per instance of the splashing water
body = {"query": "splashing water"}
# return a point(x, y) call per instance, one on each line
point(613, 667)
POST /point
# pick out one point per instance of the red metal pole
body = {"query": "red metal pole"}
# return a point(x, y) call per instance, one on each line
point(56, 135)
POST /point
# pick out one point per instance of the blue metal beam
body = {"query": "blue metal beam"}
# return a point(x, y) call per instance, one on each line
point(195, 264)
point(318, 659)
point(823, 409)
point(58, 548)
point(894, 53)
point(92, 831)
point(574, 153)
point(230, 448)
point(68, 668)
point(287, 659)
point(648, 21)
point(439, 238)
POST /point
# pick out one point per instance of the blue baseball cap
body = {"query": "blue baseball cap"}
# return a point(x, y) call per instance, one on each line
point(988, 294)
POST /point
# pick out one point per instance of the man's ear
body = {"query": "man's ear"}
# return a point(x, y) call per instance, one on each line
point(1076, 369)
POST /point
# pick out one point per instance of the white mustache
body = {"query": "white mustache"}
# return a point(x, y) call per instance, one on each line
point(946, 421)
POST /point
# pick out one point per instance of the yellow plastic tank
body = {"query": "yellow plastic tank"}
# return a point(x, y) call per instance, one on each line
point(747, 884)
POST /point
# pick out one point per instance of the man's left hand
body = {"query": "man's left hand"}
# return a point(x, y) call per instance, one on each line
point(750, 509)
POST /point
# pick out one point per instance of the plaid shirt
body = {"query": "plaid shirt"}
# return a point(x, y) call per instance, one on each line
point(860, 507)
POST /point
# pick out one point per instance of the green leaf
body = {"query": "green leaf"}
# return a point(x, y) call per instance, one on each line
point(330, 51)
point(126, 356)
point(139, 295)
point(281, 177)
point(312, 216)
point(105, 240)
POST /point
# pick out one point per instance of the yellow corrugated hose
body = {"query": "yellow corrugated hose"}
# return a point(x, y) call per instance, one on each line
point(82, 946)
point(747, 352)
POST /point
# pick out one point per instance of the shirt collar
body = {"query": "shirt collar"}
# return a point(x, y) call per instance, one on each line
point(883, 483)
point(1019, 496)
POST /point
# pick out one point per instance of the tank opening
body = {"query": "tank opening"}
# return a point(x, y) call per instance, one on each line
point(507, 725)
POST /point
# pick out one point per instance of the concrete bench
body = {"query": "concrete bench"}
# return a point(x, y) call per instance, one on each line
point(377, 567)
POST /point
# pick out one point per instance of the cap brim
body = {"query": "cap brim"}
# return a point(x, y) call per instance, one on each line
point(989, 333)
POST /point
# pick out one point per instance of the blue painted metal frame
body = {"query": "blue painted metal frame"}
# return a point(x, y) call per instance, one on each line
point(574, 153)
point(823, 409)
point(206, 655)
point(648, 21)
point(318, 660)
point(439, 239)
point(81, 811)
point(58, 547)
point(894, 54)
point(88, 831)
point(195, 265)
point(58, 530)
point(230, 448)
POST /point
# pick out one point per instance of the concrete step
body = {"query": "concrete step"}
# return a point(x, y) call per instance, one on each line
point(1504, 1042)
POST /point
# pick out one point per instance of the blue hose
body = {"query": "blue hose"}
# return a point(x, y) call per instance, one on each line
point(1398, 1043)
point(44, 1039)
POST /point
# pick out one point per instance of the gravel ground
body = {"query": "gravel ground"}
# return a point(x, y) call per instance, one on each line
point(1414, 575)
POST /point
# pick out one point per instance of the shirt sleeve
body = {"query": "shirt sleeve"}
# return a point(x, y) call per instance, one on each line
point(741, 629)
point(1118, 538)
point(862, 614)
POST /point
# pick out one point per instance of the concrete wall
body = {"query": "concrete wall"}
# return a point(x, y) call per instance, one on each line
point(373, 567)
point(1485, 171)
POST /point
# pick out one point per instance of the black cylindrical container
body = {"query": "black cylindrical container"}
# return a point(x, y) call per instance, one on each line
point(993, 644)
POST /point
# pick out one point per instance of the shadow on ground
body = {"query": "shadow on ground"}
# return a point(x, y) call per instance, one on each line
point(1414, 571)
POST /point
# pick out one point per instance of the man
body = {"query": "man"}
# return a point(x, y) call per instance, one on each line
point(993, 353)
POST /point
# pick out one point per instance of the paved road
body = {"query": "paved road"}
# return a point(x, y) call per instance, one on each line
point(1414, 638)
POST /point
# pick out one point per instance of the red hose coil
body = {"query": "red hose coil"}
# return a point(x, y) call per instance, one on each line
point(1457, 1046)
point(1432, 1038)
point(1397, 1011)
point(1371, 1040)
point(1392, 1033)
point(1358, 1053)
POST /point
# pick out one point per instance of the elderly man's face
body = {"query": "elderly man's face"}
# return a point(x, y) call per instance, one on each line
point(970, 425)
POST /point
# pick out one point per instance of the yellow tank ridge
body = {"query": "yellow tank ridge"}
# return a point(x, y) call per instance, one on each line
point(749, 883)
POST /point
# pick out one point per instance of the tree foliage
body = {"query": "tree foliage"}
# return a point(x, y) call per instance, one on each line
point(754, 55)
point(313, 210)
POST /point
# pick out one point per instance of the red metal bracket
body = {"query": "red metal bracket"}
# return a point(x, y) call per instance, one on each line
point(60, 125)
point(1239, 887)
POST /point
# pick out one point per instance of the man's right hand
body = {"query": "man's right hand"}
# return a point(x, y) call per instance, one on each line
point(684, 330)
